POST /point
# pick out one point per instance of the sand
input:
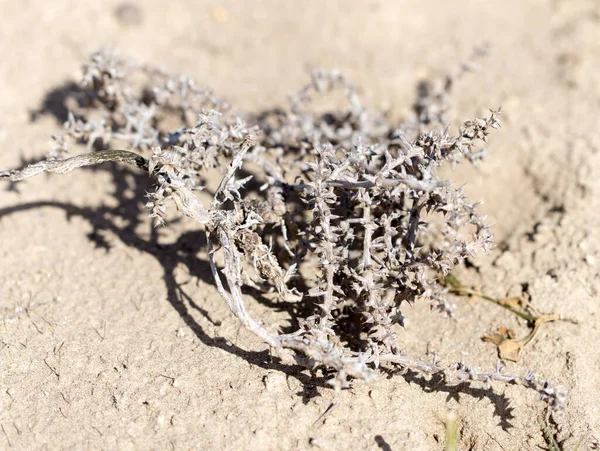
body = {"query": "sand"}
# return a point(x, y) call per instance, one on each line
point(110, 341)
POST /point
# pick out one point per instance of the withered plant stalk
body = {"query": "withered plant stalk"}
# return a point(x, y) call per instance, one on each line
point(342, 212)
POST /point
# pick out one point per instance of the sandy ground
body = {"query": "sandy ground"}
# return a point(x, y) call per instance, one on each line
point(110, 341)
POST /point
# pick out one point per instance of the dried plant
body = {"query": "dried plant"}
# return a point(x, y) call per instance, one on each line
point(340, 212)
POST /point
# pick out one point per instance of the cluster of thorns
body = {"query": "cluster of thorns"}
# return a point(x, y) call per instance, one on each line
point(342, 211)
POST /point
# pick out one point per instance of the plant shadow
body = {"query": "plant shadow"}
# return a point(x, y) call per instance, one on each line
point(437, 384)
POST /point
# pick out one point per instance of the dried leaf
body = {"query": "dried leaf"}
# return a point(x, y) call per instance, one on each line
point(510, 350)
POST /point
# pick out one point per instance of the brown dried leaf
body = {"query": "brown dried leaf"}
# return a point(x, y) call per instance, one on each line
point(514, 303)
point(510, 350)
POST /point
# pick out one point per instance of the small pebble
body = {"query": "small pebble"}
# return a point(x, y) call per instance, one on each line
point(129, 14)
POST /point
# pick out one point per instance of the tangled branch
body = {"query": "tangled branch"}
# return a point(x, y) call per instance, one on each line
point(343, 212)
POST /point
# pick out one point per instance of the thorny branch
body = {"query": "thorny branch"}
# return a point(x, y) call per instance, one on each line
point(342, 211)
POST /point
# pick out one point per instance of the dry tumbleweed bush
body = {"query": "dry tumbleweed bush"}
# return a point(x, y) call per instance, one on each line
point(341, 211)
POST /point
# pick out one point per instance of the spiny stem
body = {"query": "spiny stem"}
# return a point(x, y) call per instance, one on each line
point(70, 164)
